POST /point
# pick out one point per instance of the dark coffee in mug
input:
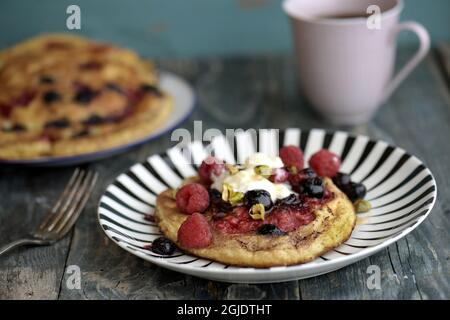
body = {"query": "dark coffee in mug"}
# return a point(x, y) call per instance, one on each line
point(345, 15)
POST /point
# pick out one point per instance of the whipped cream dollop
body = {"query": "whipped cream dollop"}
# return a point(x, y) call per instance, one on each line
point(247, 179)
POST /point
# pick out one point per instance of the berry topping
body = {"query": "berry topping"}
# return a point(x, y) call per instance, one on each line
point(58, 124)
point(325, 163)
point(279, 175)
point(209, 167)
point(292, 156)
point(163, 246)
point(237, 222)
point(354, 191)
point(313, 187)
point(289, 218)
point(51, 96)
point(91, 65)
point(24, 98)
point(341, 179)
point(195, 232)
point(253, 197)
point(297, 178)
point(6, 110)
point(57, 45)
point(192, 198)
point(85, 95)
point(270, 229)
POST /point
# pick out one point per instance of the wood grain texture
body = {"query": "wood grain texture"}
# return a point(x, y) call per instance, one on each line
point(244, 93)
point(25, 196)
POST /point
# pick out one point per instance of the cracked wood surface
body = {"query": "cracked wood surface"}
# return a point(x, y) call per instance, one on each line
point(262, 91)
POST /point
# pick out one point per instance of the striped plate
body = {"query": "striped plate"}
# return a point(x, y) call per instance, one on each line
point(401, 189)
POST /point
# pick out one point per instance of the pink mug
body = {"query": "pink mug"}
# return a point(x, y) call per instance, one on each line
point(345, 52)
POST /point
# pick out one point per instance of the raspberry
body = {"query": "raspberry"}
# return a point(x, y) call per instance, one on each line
point(210, 166)
point(279, 175)
point(325, 163)
point(195, 232)
point(192, 197)
point(292, 156)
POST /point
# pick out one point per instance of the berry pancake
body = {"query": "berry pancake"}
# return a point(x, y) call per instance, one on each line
point(332, 225)
point(243, 217)
point(63, 95)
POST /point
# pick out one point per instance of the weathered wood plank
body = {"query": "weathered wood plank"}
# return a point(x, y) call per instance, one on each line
point(26, 195)
point(417, 117)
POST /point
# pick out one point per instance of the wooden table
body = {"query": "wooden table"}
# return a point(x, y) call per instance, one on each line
point(240, 92)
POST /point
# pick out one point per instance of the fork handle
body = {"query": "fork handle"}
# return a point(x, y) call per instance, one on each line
point(20, 242)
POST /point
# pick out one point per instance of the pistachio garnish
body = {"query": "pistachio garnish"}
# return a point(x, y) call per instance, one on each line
point(257, 212)
point(263, 170)
point(227, 191)
point(236, 198)
point(362, 205)
point(232, 169)
point(293, 169)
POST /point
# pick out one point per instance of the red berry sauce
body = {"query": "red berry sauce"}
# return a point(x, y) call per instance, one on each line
point(286, 216)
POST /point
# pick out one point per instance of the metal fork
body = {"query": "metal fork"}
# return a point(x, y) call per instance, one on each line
point(58, 222)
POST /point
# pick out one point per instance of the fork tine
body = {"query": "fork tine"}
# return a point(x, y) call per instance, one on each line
point(65, 203)
point(61, 198)
point(77, 206)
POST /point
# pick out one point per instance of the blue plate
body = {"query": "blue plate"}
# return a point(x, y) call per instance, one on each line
point(184, 99)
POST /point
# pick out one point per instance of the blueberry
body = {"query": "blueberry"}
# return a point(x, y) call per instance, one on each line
point(290, 200)
point(270, 229)
point(85, 95)
point(58, 124)
point(51, 96)
point(148, 88)
point(341, 179)
point(308, 173)
point(258, 196)
point(313, 187)
point(219, 215)
point(113, 87)
point(163, 246)
point(214, 195)
point(46, 79)
point(94, 119)
point(354, 191)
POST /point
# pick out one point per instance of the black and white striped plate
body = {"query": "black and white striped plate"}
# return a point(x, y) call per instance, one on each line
point(401, 189)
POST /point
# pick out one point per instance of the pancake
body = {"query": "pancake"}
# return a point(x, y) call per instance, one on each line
point(333, 225)
point(64, 95)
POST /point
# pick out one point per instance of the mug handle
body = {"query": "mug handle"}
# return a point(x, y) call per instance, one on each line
point(424, 47)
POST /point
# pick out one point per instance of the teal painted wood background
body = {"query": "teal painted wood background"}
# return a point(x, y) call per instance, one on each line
point(187, 28)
